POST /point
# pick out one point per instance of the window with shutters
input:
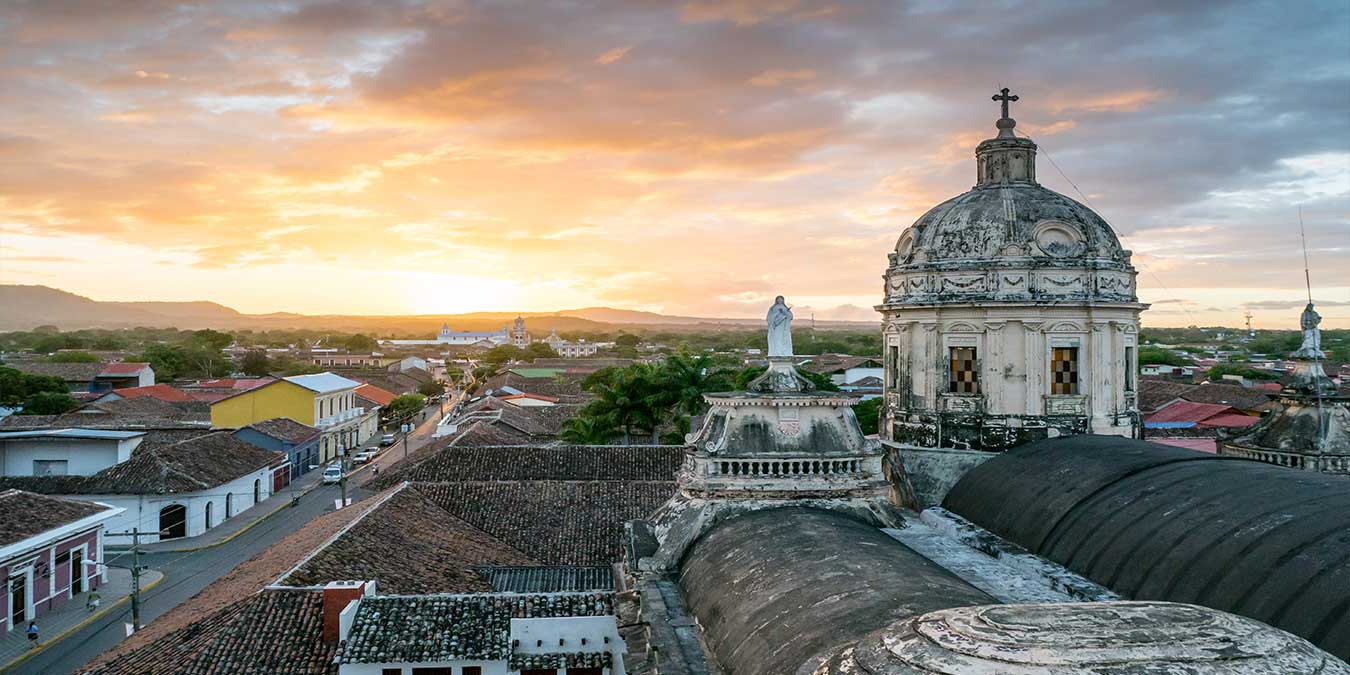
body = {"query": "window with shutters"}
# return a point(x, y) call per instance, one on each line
point(1064, 370)
point(965, 373)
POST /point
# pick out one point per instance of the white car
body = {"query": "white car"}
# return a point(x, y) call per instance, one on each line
point(364, 456)
point(332, 473)
point(387, 439)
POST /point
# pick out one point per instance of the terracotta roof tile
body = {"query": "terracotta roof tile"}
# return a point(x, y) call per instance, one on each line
point(555, 522)
point(25, 514)
point(162, 392)
point(285, 429)
point(192, 465)
point(409, 545)
point(123, 368)
point(272, 631)
point(394, 629)
point(375, 394)
point(566, 462)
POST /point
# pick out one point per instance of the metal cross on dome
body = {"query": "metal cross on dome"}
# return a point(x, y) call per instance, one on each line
point(1006, 99)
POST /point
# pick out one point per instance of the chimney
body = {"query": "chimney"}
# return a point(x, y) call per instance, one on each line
point(336, 596)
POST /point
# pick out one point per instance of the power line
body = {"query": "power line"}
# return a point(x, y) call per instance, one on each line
point(1151, 273)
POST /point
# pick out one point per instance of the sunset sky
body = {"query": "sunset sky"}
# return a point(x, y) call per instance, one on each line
point(692, 158)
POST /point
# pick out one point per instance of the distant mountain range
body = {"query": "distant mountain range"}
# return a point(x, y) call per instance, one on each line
point(27, 307)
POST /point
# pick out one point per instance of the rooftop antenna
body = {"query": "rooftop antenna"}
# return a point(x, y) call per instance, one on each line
point(1303, 234)
point(1323, 428)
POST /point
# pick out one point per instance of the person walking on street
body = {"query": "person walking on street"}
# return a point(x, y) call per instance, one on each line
point(91, 603)
point(32, 635)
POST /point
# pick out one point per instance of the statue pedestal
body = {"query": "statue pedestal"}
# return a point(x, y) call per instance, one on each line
point(782, 376)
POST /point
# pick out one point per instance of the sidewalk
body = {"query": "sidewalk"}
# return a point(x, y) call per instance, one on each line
point(62, 621)
point(240, 523)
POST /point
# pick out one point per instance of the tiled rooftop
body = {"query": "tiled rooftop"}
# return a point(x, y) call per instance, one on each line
point(566, 462)
point(161, 391)
point(199, 463)
point(555, 522)
point(431, 628)
point(409, 545)
point(25, 514)
point(269, 632)
point(548, 578)
point(285, 429)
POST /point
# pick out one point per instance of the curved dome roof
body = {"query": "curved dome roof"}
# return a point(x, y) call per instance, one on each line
point(1013, 220)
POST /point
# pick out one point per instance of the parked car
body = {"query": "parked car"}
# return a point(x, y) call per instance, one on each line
point(387, 439)
point(332, 473)
point(364, 456)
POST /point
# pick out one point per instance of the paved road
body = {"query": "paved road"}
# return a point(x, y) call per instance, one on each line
point(184, 575)
point(187, 573)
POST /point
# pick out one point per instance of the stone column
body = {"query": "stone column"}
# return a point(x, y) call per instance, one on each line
point(929, 354)
point(1105, 383)
point(1034, 350)
point(992, 383)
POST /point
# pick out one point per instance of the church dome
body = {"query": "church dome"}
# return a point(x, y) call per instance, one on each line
point(1030, 242)
point(1005, 221)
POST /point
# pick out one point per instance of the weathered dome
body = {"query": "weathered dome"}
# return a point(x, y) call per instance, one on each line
point(1008, 239)
point(1009, 221)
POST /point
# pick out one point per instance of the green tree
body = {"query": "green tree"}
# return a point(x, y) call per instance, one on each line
point(588, 430)
point(254, 363)
point(212, 339)
point(73, 357)
point(46, 328)
point(686, 379)
point(629, 399)
point(818, 382)
point(1158, 355)
point(431, 389)
point(169, 361)
point(1216, 373)
point(406, 406)
point(869, 414)
point(49, 403)
point(17, 386)
point(361, 344)
point(627, 340)
point(539, 350)
point(501, 354)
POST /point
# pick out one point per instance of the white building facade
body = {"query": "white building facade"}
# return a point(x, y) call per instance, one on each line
point(1010, 315)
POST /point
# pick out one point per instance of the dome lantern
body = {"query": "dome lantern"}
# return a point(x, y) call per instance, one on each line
point(1005, 159)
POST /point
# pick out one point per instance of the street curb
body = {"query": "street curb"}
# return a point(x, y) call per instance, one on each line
point(238, 532)
point(66, 633)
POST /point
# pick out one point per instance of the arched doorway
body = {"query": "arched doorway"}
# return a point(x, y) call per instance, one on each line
point(229, 504)
point(257, 491)
point(173, 521)
point(208, 515)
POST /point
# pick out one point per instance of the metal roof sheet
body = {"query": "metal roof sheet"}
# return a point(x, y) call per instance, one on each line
point(323, 383)
point(98, 434)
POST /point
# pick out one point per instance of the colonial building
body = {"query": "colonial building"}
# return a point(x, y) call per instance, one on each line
point(1009, 315)
point(568, 349)
point(322, 400)
point(447, 337)
point(50, 550)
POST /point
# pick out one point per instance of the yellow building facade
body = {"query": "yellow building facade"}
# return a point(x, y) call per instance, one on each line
point(278, 399)
point(322, 400)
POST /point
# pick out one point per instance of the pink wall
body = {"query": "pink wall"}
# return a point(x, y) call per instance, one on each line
point(43, 599)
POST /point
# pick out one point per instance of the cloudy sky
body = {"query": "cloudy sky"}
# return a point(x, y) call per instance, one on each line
point(694, 158)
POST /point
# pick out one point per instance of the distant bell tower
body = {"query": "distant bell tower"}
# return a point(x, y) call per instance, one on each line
point(519, 337)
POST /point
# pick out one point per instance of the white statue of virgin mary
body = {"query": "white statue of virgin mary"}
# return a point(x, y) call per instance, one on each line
point(780, 328)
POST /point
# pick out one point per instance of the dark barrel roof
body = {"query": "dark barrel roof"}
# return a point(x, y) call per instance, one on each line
point(774, 588)
point(1159, 523)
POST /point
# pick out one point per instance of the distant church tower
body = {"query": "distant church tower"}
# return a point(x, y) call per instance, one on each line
point(519, 337)
point(1010, 314)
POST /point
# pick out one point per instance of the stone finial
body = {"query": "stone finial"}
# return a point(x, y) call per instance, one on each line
point(1005, 123)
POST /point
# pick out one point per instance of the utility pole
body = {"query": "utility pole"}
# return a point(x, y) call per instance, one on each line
point(135, 568)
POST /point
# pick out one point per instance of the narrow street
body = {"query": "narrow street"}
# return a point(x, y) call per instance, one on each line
point(186, 573)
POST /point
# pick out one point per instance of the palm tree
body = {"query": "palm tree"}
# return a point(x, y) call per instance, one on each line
point(588, 430)
point(686, 379)
point(628, 398)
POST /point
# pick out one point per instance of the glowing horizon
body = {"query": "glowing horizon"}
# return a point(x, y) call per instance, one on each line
point(693, 158)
